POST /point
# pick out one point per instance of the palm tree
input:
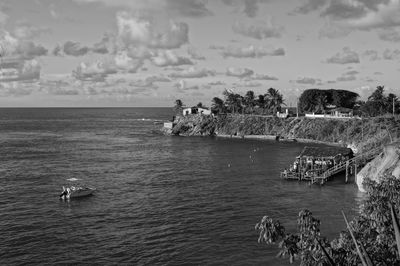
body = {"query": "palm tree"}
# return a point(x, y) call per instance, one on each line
point(218, 105)
point(178, 107)
point(275, 100)
point(249, 101)
point(231, 100)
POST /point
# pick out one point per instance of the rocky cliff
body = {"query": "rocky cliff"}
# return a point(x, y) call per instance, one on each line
point(387, 163)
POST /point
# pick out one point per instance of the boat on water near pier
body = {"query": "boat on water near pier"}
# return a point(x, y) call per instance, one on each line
point(76, 192)
point(313, 162)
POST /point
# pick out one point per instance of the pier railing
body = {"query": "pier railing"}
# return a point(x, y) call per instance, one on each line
point(357, 160)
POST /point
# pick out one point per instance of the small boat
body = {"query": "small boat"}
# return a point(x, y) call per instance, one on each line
point(76, 192)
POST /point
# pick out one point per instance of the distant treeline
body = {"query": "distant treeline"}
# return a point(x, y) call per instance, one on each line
point(311, 100)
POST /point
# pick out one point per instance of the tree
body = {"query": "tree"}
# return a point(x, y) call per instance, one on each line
point(393, 103)
point(200, 105)
point(379, 104)
point(233, 101)
point(275, 100)
point(249, 101)
point(316, 100)
point(374, 230)
point(178, 107)
point(218, 105)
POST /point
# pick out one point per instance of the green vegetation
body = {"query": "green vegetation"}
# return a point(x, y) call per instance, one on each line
point(370, 239)
point(268, 103)
point(379, 104)
point(315, 100)
point(178, 107)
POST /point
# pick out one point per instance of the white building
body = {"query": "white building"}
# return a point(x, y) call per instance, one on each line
point(196, 110)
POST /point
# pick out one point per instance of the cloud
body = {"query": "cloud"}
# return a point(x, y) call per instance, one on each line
point(182, 87)
point(95, 72)
point(146, 83)
point(389, 35)
point(258, 31)
point(263, 77)
point(16, 89)
point(184, 8)
point(248, 83)
point(216, 47)
point(239, 72)
point(134, 30)
point(251, 52)
point(391, 54)
point(126, 63)
point(194, 54)
point(74, 48)
point(216, 83)
point(348, 76)
point(307, 80)
point(24, 71)
point(189, 8)
point(158, 79)
point(27, 32)
point(102, 47)
point(57, 87)
point(193, 72)
point(310, 5)
point(169, 58)
point(12, 46)
point(333, 31)
point(343, 10)
point(347, 56)
point(372, 55)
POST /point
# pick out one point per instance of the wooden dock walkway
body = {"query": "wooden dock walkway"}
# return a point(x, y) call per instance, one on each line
point(349, 165)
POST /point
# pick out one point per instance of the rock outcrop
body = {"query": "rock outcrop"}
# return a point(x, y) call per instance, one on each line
point(387, 163)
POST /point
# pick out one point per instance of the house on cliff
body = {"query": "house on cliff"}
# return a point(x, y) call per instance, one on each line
point(196, 110)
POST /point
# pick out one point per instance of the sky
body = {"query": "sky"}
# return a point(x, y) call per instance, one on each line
point(112, 53)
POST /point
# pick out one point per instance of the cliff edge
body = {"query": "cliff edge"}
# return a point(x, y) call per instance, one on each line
point(387, 163)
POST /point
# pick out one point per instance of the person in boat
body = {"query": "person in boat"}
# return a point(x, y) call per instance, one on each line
point(64, 193)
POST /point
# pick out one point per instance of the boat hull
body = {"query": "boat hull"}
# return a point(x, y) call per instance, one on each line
point(76, 192)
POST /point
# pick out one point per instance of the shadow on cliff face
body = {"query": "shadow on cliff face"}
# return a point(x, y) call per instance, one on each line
point(387, 163)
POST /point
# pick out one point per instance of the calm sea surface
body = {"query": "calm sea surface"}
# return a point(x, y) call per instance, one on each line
point(160, 200)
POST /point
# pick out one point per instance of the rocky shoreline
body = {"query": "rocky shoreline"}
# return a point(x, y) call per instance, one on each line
point(358, 134)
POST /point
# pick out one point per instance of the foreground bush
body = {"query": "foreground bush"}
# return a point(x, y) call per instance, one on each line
point(373, 229)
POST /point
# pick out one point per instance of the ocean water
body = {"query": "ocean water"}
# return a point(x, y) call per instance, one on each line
point(160, 200)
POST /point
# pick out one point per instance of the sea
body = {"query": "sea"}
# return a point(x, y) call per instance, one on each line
point(159, 200)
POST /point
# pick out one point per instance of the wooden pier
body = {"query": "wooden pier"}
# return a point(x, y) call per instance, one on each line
point(319, 164)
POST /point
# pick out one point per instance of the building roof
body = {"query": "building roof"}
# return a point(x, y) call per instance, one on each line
point(324, 151)
point(342, 109)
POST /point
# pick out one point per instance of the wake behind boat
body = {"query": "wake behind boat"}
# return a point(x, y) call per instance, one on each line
point(76, 192)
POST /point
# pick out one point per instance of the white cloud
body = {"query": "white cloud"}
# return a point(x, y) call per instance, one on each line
point(126, 63)
point(347, 56)
point(263, 77)
point(261, 30)
point(252, 52)
point(391, 54)
point(248, 83)
point(307, 80)
point(75, 48)
point(239, 72)
point(169, 58)
point(193, 72)
point(27, 32)
point(372, 55)
point(96, 71)
point(389, 35)
point(134, 30)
